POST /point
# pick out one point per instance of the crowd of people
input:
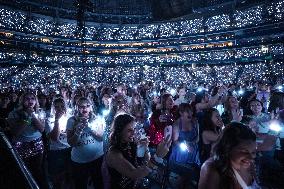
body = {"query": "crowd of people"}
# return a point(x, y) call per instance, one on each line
point(169, 77)
point(134, 122)
point(271, 12)
point(210, 136)
point(142, 57)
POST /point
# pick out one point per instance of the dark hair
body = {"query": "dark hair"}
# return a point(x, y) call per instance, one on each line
point(164, 100)
point(199, 96)
point(227, 103)
point(232, 136)
point(255, 100)
point(276, 101)
point(214, 90)
point(119, 123)
point(85, 100)
point(207, 121)
point(41, 96)
point(184, 107)
point(59, 100)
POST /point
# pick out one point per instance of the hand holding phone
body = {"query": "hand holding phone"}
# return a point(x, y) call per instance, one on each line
point(168, 132)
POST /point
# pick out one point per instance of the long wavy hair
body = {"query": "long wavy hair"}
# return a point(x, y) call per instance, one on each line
point(234, 134)
point(120, 122)
point(276, 101)
point(164, 99)
point(207, 120)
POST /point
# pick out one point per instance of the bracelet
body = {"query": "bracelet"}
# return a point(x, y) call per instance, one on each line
point(27, 121)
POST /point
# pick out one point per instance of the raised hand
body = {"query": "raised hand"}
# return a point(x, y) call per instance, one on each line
point(163, 147)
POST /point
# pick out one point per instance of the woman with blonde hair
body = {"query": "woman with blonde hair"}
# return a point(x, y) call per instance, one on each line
point(27, 129)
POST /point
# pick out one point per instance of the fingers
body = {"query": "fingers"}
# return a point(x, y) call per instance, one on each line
point(169, 143)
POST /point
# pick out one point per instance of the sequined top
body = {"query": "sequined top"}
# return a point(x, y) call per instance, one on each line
point(156, 129)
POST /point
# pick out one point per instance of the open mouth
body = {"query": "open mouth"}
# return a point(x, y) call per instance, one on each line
point(85, 112)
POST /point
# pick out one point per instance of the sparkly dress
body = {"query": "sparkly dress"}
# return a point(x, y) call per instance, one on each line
point(156, 129)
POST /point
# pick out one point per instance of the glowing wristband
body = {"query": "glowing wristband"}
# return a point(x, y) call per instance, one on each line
point(27, 121)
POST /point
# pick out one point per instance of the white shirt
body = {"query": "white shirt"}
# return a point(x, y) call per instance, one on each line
point(88, 148)
point(62, 142)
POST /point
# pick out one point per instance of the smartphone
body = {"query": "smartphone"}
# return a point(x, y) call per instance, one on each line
point(242, 112)
point(168, 132)
point(142, 133)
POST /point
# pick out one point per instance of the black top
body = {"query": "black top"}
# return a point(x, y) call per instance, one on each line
point(119, 181)
point(205, 152)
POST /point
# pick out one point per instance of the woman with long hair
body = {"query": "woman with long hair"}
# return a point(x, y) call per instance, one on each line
point(232, 110)
point(185, 138)
point(184, 159)
point(127, 161)
point(161, 118)
point(212, 126)
point(232, 163)
point(27, 130)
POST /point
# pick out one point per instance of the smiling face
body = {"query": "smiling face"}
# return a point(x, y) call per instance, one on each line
point(242, 156)
point(256, 107)
point(127, 134)
point(233, 103)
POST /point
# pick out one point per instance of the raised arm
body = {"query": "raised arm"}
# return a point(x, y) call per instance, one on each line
point(116, 161)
